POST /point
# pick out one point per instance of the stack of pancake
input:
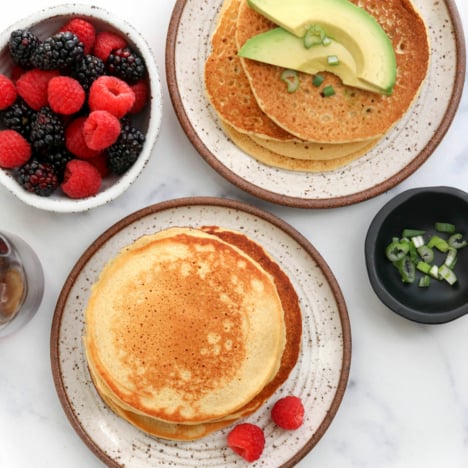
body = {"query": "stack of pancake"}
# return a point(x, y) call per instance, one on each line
point(189, 330)
point(304, 130)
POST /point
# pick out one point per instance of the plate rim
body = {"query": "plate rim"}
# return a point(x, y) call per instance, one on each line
point(183, 202)
point(330, 202)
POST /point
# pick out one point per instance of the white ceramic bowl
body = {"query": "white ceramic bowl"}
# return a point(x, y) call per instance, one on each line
point(46, 22)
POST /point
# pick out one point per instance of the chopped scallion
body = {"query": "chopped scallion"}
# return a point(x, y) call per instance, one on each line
point(291, 78)
point(424, 281)
point(333, 60)
point(412, 232)
point(457, 241)
point(447, 274)
point(449, 228)
point(328, 91)
point(317, 80)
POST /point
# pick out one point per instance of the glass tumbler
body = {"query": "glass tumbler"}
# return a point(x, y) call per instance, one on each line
point(21, 283)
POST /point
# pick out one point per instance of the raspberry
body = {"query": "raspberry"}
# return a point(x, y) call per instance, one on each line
point(83, 30)
point(65, 95)
point(141, 90)
point(288, 412)
point(22, 44)
point(81, 179)
point(37, 177)
point(75, 141)
point(14, 149)
point(126, 64)
point(32, 87)
point(100, 163)
point(247, 440)
point(7, 92)
point(111, 94)
point(106, 42)
point(101, 129)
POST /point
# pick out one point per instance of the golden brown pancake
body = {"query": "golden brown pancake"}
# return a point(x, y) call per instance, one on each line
point(293, 324)
point(228, 88)
point(351, 114)
point(315, 151)
point(184, 327)
point(270, 158)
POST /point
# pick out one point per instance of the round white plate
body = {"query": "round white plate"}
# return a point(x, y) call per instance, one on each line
point(395, 157)
point(319, 378)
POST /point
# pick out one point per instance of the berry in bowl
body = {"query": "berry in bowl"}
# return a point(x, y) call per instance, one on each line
point(416, 252)
point(80, 107)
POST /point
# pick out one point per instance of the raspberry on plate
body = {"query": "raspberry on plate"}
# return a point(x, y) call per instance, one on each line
point(247, 440)
point(100, 130)
point(81, 179)
point(65, 95)
point(82, 29)
point(142, 92)
point(7, 92)
point(106, 42)
point(14, 149)
point(32, 87)
point(111, 94)
point(288, 412)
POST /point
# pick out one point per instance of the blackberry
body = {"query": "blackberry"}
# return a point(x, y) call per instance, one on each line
point(126, 64)
point(37, 177)
point(58, 159)
point(47, 131)
point(19, 117)
point(58, 52)
point(22, 45)
point(87, 69)
point(125, 151)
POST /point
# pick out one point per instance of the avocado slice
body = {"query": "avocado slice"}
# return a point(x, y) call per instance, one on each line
point(351, 26)
point(279, 47)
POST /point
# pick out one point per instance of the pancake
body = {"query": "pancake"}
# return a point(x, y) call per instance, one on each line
point(184, 327)
point(270, 158)
point(351, 114)
point(293, 325)
point(315, 151)
point(227, 86)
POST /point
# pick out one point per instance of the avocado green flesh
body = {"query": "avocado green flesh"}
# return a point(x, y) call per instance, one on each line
point(281, 48)
point(348, 24)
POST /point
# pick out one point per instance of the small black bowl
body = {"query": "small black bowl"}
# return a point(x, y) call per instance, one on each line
point(419, 208)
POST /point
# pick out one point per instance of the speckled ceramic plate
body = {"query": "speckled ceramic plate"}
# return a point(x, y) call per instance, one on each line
point(398, 155)
point(319, 377)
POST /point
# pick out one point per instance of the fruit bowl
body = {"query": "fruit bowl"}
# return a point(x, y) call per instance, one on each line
point(420, 209)
point(46, 23)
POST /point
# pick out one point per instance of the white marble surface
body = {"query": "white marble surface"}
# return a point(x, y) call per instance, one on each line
point(407, 401)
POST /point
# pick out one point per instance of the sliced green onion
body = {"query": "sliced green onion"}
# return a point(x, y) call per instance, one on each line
point(451, 257)
point(447, 274)
point(412, 232)
point(396, 251)
point(333, 60)
point(439, 243)
point(407, 270)
point(457, 241)
point(424, 281)
point(317, 80)
point(424, 267)
point(291, 78)
point(426, 253)
point(315, 35)
point(418, 241)
point(328, 91)
point(434, 271)
point(445, 227)
point(326, 41)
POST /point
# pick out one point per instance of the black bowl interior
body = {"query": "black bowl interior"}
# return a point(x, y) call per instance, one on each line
point(419, 209)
